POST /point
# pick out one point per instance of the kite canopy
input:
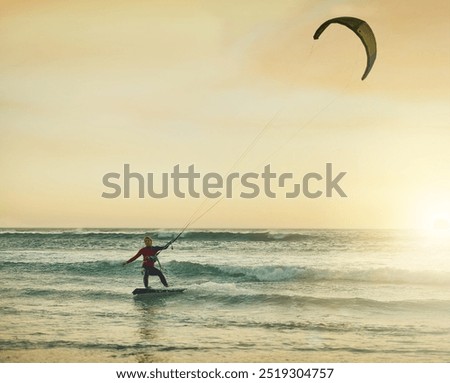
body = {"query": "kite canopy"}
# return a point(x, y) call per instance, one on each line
point(364, 32)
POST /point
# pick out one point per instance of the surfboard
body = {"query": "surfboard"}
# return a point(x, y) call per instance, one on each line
point(156, 291)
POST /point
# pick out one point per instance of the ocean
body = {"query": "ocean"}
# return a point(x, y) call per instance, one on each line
point(251, 296)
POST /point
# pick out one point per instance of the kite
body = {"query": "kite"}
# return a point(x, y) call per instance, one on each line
point(364, 32)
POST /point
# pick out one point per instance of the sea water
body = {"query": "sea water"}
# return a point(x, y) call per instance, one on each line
point(251, 296)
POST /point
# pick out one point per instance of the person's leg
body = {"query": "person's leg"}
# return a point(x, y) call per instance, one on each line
point(155, 271)
point(162, 278)
point(146, 278)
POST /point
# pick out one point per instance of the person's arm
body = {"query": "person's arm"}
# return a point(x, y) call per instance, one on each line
point(132, 258)
point(158, 250)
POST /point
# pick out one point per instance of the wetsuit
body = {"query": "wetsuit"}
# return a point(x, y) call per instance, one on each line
point(149, 264)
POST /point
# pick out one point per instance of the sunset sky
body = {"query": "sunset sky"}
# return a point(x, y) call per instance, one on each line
point(88, 86)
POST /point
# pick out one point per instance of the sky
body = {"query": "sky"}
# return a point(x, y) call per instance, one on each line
point(89, 86)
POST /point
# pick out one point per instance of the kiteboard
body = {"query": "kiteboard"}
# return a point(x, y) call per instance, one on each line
point(156, 291)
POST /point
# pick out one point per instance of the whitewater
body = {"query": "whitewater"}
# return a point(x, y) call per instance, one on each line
point(251, 296)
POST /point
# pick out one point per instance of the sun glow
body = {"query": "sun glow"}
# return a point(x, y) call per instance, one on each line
point(433, 236)
point(436, 221)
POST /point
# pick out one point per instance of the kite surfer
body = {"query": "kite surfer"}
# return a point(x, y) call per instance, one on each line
point(150, 255)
